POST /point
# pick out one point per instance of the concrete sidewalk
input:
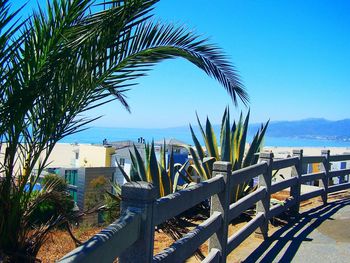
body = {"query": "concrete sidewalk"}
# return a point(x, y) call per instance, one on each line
point(321, 234)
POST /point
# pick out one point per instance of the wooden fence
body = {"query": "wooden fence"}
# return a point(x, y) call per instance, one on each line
point(131, 238)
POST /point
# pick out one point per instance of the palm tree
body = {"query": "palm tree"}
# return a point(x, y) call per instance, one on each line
point(58, 64)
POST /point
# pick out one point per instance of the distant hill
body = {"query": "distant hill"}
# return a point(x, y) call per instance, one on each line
point(308, 128)
point(319, 129)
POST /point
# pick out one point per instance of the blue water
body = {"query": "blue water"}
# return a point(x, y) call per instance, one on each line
point(96, 135)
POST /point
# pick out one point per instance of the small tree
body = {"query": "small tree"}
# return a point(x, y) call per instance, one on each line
point(61, 62)
point(52, 208)
point(96, 196)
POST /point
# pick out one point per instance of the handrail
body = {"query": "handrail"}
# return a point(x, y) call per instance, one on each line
point(213, 256)
point(246, 202)
point(340, 172)
point(312, 177)
point(339, 187)
point(314, 159)
point(312, 194)
point(178, 202)
point(134, 231)
point(276, 187)
point(244, 232)
point(247, 173)
point(340, 157)
point(110, 242)
point(284, 163)
point(184, 247)
point(280, 208)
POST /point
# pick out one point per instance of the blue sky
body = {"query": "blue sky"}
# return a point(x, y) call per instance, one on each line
point(293, 58)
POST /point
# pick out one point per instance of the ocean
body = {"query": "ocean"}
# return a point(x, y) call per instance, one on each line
point(96, 135)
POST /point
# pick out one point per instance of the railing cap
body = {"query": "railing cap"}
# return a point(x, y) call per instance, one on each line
point(141, 191)
point(222, 166)
point(205, 159)
point(325, 152)
point(266, 155)
point(298, 151)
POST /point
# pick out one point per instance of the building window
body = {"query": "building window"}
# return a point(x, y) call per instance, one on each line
point(122, 162)
point(71, 176)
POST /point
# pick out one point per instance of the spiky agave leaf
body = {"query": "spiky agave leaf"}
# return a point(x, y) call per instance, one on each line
point(125, 175)
point(199, 148)
point(204, 136)
point(134, 175)
point(242, 141)
point(181, 171)
point(222, 124)
point(262, 135)
point(211, 140)
point(165, 182)
point(251, 157)
point(225, 137)
point(232, 135)
point(154, 171)
point(198, 164)
point(140, 165)
point(207, 164)
point(163, 173)
point(236, 141)
point(162, 155)
point(147, 158)
point(171, 171)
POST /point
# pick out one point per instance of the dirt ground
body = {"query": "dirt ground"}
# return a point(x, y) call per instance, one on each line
point(60, 243)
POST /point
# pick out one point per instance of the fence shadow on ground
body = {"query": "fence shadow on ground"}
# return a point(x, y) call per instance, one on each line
point(294, 233)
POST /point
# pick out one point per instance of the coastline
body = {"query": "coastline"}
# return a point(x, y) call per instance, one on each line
point(96, 135)
point(284, 151)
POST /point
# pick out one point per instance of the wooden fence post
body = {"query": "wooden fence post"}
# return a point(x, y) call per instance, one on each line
point(141, 197)
point(263, 206)
point(220, 203)
point(295, 190)
point(325, 181)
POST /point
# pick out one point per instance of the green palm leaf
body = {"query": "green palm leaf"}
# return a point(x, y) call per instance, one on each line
point(67, 59)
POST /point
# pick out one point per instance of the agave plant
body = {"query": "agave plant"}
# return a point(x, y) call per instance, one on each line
point(232, 148)
point(165, 177)
point(162, 174)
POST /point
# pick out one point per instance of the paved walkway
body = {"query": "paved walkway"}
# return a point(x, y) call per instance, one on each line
point(321, 234)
